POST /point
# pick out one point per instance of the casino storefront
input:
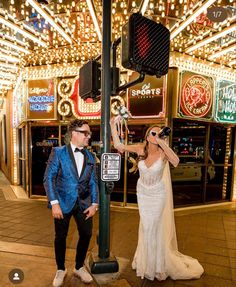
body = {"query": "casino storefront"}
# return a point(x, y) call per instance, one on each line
point(199, 108)
point(204, 118)
point(201, 111)
point(45, 101)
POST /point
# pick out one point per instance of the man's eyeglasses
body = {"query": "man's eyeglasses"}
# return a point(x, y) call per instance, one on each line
point(86, 133)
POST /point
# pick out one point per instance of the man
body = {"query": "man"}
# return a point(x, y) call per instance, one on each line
point(71, 186)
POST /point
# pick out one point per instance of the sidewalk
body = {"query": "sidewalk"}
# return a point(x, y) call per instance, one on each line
point(26, 242)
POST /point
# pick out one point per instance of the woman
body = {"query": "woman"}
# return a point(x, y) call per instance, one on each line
point(157, 253)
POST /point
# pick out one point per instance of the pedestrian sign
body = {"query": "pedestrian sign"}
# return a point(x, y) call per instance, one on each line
point(110, 166)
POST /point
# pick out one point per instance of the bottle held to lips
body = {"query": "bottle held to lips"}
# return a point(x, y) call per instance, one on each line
point(164, 132)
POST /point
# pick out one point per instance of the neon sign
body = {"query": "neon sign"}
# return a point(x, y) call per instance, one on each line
point(196, 95)
point(146, 99)
point(42, 108)
point(41, 99)
point(226, 102)
point(71, 102)
point(146, 90)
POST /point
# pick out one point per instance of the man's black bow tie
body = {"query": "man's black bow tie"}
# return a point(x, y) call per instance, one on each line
point(80, 150)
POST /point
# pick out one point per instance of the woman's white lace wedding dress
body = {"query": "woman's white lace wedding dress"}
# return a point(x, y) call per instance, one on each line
point(157, 253)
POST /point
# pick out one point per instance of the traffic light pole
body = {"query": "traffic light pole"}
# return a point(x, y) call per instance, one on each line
point(104, 218)
point(104, 262)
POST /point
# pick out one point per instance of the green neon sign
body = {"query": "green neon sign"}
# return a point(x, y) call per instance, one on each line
point(226, 102)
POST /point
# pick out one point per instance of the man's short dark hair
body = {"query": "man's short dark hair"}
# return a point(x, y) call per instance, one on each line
point(76, 124)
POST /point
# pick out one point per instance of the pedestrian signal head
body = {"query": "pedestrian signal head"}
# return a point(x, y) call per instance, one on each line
point(145, 46)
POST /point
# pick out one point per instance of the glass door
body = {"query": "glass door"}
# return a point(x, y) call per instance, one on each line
point(136, 135)
point(43, 139)
point(22, 157)
point(219, 165)
point(188, 142)
point(204, 173)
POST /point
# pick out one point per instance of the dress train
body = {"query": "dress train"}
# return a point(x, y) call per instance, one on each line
point(157, 254)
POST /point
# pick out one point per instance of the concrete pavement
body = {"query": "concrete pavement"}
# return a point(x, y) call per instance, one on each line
point(26, 243)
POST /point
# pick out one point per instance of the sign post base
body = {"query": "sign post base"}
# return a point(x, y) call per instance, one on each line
point(107, 265)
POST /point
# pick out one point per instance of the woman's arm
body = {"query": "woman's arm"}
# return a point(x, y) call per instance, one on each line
point(169, 153)
point(136, 148)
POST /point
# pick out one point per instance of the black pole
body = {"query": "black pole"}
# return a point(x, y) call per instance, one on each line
point(104, 215)
point(104, 262)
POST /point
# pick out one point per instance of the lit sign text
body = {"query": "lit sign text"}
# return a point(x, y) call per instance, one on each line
point(226, 102)
point(196, 96)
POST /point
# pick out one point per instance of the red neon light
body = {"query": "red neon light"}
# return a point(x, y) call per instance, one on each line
point(196, 96)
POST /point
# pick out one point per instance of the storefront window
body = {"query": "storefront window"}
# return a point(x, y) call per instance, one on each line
point(218, 186)
point(118, 192)
point(125, 188)
point(214, 185)
point(202, 175)
point(136, 135)
point(43, 139)
point(217, 144)
point(188, 142)
point(22, 158)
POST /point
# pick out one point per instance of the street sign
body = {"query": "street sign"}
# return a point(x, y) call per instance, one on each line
point(110, 166)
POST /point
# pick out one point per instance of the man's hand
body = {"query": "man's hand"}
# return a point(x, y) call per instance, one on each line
point(90, 211)
point(56, 211)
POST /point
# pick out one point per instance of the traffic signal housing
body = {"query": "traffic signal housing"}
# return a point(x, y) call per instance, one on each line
point(90, 81)
point(145, 46)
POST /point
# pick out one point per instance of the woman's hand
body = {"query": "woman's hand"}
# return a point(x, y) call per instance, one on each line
point(112, 121)
point(119, 147)
point(115, 120)
point(169, 153)
point(159, 141)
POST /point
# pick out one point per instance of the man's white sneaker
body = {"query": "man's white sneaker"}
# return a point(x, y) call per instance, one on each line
point(59, 278)
point(83, 274)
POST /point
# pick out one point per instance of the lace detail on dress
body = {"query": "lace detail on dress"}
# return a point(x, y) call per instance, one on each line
point(151, 175)
point(157, 255)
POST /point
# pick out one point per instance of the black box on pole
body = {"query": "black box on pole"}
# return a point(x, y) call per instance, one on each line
point(145, 46)
point(90, 81)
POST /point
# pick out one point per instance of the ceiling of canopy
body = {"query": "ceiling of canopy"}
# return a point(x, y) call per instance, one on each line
point(45, 32)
